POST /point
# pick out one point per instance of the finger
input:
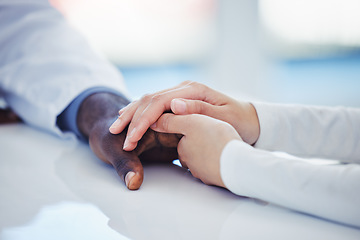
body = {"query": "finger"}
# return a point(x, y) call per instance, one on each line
point(170, 123)
point(131, 113)
point(156, 105)
point(108, 148)
point(129, 168)
point(125, 116)
point(185, 106)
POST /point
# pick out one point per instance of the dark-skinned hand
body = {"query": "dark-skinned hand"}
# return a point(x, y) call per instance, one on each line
point(8, 116)
point(96, 114)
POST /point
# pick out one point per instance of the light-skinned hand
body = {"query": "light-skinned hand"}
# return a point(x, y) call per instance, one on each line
point(203, 141)
point(143, 113)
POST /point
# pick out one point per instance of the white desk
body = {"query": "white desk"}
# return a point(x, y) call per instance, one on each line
point(56, 189)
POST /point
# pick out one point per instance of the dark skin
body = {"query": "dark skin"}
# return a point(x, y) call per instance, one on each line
point(8, 116)
point(97, 112)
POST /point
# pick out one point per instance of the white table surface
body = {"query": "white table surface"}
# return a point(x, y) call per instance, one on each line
point(57, 189)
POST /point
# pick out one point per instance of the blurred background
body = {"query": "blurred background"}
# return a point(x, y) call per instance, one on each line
point(289, 51)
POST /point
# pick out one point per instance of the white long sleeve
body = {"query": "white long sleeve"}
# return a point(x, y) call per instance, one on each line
point(308, 131)
point(45, 64)
point(328, 191)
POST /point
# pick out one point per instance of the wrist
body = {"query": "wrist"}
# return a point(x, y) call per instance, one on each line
point(99, 108)
point(254, 125)
point(247, 122)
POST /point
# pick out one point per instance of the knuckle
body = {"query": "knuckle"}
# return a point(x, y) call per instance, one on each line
point(198, 107)
point(156, 98)
point(146, 98)
point(202, 87)
point(165, 122)
point(120, 167)
point(187, 82)
point(146, 122)
point(195, 84)
point(192, 84)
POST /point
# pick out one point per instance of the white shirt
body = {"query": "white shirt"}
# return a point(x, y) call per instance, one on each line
point(45, 63)
point(328, 191)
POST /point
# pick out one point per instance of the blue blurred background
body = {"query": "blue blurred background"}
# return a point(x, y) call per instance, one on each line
point(290, 51)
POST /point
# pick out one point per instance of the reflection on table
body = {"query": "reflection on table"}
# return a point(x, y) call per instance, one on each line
point(58, 189)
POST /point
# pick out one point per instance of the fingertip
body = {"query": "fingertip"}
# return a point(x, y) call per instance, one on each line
point(133, 180)
point(129, 146)
point(115, 128)
point(157, 127)
point(178, 106)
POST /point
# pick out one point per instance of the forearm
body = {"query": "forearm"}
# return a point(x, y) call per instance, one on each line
point(310, 131)
point(328, 191)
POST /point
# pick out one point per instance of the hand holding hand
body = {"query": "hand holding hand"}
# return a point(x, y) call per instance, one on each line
point(94, 117)
point(195, 98)
point(153, 147)
point(203, 141)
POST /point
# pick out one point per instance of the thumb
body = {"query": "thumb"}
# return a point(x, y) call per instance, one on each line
point(108, 148)
point(184, 106)
point(171, 123)
point(129, 168)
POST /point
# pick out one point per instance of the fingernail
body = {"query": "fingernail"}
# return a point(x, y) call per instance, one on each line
point(126, 143)
point(128, 178)
point(179, 105)
point(115, 124)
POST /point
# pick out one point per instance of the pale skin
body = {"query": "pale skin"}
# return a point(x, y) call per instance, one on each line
point(207, 130)
point(199, 132)
point(97, 112)
point(159, 145)
point(189, 98)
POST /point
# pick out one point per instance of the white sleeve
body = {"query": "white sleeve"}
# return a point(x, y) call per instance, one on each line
point(307, 131)
point(327, 191)
point(45, 64)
